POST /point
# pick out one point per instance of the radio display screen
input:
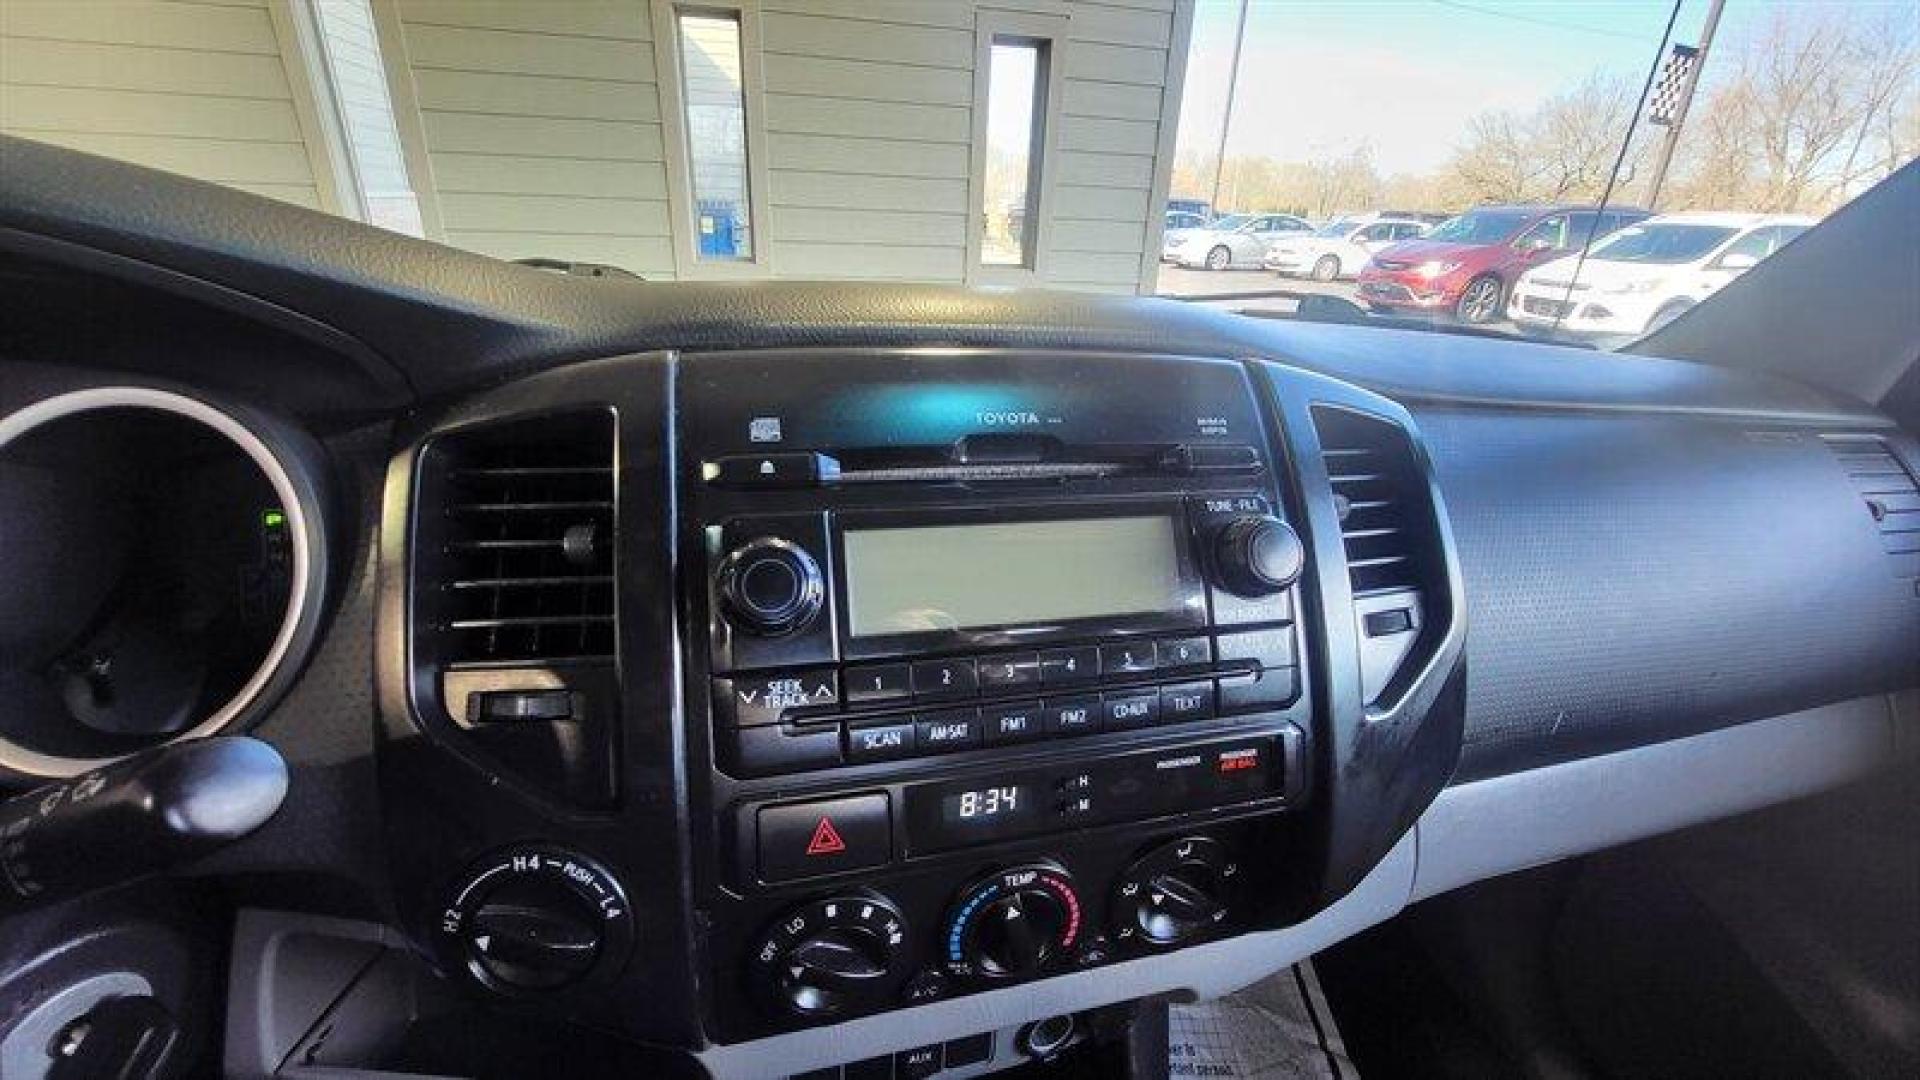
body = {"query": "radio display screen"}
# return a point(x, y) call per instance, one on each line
point(960, 577)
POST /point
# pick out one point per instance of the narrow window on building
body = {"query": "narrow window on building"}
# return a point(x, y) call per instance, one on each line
point(714, 99)
point(1016, 138)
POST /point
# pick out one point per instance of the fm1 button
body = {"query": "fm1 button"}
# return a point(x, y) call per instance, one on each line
point(826, 836)
point(1012, 723)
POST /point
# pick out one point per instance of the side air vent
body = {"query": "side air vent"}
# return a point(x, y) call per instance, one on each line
point(1394, 561)
point(1890, 492)
point(1377, 488)
point(515, 566)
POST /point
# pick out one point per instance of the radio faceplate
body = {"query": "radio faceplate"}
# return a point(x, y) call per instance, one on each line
point(937, 644)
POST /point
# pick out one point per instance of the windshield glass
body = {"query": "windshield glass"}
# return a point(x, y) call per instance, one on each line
point(1661, 243)
point(1481, 227)
point(977, 142)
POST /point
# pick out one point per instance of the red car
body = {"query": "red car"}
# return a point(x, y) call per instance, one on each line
point(1466, 265)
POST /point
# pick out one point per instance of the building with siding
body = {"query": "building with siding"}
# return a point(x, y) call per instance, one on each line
point(751, 138)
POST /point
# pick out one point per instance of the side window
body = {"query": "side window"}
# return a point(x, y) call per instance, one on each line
point(1381, 231)
point(1265, 225)
point(710, 84)
point(1578, 225)
point(1757, 245)
point(1406, 230)
point(1546, 236)
point(1016, 95)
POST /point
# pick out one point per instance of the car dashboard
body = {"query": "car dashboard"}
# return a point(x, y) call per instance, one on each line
point(780, 675)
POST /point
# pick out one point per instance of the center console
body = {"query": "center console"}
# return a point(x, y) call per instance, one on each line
point(1006, 673)
point(869, 679)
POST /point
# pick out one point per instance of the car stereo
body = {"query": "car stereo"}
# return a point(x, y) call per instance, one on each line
point(976, 610)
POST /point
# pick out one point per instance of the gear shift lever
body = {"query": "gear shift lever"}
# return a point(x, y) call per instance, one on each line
point(133, 818)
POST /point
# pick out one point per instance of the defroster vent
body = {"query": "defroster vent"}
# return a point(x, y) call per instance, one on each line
point(515, 543)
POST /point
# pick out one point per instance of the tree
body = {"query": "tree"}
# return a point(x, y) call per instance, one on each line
point(1563, 150)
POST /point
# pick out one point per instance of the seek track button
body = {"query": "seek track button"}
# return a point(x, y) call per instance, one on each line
point(751, 700)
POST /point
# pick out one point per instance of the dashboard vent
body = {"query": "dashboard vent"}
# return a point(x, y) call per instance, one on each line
point(516, 540)
point(1379, 493)
point(1890, 492)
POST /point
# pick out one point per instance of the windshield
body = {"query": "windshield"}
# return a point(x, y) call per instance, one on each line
point(1662, 243)
point(1481, 227)
point(976, 142)
point(1337, 229)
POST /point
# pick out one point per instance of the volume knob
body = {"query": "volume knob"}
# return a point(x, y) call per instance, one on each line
point(1258, 555)
point(769, 586)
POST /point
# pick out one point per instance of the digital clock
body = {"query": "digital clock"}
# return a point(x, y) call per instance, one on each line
point(1001, 802)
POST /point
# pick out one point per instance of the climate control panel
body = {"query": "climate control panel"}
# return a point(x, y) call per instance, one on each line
point(914, 938)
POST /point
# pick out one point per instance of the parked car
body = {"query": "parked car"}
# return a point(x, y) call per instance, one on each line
point(1644, 276)
point(1465, 265)
point(1234, 240)
point(1340, 248)
point(1180, 223)
point(1191, 206)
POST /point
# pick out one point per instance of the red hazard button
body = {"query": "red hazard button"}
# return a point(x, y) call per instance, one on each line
point(826, 836)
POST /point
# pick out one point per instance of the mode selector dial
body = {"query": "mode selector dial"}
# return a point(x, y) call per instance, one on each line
point(1012, 924)
point(1174, 893)
point(1257, 555)
point(769, 586)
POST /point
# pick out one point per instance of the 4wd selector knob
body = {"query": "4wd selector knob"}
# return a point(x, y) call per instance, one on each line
point(769, 586)
point(537, 919)
point(1258, 555)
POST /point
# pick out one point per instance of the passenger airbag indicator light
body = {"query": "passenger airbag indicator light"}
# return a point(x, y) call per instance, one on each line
point(1232, 761)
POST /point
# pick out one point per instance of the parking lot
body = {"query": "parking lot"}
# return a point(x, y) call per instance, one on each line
point(1232, 287)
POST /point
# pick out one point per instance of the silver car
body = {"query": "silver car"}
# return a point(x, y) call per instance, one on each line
point(1236, 240)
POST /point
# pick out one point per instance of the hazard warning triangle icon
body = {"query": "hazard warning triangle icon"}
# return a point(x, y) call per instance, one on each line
point(826, 839)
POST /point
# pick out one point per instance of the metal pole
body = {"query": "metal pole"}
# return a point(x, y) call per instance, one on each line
point(1667, 144)
point(1226, 122)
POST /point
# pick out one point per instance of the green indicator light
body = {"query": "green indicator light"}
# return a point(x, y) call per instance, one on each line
point(273, 519)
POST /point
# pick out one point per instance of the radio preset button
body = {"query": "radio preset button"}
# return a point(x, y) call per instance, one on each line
point(944, 678)
point(1125, 712)
point(1130, 658)
point(1071, 716)
point(1010, 670)
point(1058, 666)
point(1012, 723)
point(1191, 652)
point(867, 684)
point(750, 700)
point(1186, 701)
point(880, 742)
point(948, 730)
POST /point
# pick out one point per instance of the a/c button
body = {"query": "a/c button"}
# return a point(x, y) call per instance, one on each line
point(826, 836)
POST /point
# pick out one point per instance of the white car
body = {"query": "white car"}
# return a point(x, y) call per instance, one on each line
point(1644, 276)
point(1341, 248)
point(1235, 240)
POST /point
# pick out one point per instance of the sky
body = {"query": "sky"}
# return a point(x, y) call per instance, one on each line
point(1319, 77)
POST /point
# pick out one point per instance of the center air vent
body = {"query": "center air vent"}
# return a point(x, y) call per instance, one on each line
point(1387, 528)
point(516, 543)
point(1890, 492)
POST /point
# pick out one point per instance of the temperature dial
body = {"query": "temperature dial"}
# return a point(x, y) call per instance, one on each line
point(1174, 893)
point(537, 919)
point(1012, 924)
point(831, 955)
